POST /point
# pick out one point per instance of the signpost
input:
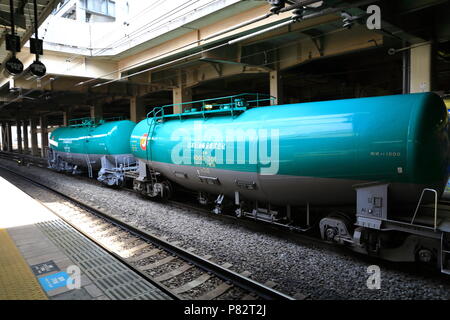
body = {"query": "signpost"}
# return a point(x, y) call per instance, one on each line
point(13, 66)
point(37, 68)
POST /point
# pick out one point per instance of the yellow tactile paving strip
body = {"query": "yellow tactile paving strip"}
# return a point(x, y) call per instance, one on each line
point(17, 281)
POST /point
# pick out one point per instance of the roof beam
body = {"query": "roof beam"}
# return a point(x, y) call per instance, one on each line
point(19, 20)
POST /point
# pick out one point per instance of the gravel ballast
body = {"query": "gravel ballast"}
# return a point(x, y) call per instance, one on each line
point(311, 270)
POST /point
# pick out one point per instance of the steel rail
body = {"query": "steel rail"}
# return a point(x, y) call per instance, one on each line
point(224, 274)
point(115, 255)
point(274, 230)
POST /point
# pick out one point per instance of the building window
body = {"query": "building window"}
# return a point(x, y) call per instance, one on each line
point(104, 7)
point(71, 13)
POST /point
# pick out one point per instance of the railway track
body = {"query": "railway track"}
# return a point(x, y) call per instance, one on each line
point(301, 239)
point(24, 158)
point(176, 270)
point(254, 225)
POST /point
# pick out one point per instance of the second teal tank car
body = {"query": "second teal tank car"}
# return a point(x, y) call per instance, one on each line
point(93, 145)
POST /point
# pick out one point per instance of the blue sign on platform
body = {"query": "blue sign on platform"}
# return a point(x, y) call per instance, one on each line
point(55, 281)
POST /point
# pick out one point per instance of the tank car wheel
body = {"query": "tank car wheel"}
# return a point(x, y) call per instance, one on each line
point(330, 234)
point(336, 227)
point(343, 216)
point(425, 255)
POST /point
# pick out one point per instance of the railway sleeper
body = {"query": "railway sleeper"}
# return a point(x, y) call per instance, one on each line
point(372, 228)
point(368, 229)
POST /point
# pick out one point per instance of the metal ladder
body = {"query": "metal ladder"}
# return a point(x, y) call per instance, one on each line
point(151, 129)
point(445, 253)
point(153, 176)
point(89, 165)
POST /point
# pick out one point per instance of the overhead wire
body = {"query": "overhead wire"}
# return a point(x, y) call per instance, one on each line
point(280, 25)
point(262, 65)
point(129, 37)
point(152, 6)
point(140, 33)
point(22, 95)
point(217, 34)
point(182, 58)
point(179, 59)
point(53, 79)
point(287, 8)
point(243, 57)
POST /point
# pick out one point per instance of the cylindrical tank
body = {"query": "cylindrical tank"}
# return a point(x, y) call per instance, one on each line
point(79, 144)
point(304, 153)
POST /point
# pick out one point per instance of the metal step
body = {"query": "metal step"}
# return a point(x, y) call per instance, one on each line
point(131, 174)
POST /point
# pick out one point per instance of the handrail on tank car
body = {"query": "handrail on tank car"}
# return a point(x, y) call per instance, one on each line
point(235, 103)
point(155, 112)
point(91, 122)
point(82, 122)
point(109, 119)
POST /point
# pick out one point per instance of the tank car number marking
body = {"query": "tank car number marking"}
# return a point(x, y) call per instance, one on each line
point(208, 145)
point(205, 158)
point(385, 154)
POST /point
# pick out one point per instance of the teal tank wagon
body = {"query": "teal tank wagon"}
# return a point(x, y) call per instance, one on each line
point(90, 145)
point(357, 167)
point(289, 154)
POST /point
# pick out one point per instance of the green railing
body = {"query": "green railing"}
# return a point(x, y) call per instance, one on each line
point(231, 104)
point(82, 122)
point(91, 122)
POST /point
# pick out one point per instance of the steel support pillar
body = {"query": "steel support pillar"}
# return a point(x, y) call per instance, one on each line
point(67, 115)
point(420, 68)
point(9, 146)
point(44, 135)
point(181, 95)
point(137, 109)
point(19, 135)
point(2, 139)
point(97, 111)
point(34, 138)
point(26, 148)
point(276, 88)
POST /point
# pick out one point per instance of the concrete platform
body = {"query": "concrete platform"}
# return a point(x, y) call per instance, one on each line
point(42, 257)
